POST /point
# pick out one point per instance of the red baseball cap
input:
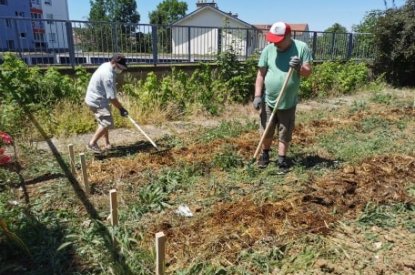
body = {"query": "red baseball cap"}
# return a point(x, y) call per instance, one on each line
point(278, 31)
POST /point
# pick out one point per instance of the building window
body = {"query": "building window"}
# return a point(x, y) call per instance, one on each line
point(10, 44)
point(39, 36)
point(49, 16)
point(36, 15)
point(19, 13)
point(9, 23)
point(48, 2)
point(3, 2)
point(52, 37)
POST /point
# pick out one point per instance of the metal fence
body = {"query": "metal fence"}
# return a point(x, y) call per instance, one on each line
point(59, 42)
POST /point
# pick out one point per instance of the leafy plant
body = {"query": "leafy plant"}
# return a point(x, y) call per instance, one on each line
point(227, 158)
point(334, 78)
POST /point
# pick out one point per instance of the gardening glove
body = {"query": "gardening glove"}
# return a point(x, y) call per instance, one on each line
point(257, 102)
point(123, 112)
point(295, 63)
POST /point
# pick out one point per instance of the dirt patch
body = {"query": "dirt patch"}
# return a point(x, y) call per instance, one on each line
point(232, 227)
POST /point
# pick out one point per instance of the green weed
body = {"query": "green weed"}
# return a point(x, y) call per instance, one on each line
point(227, 159)
point(226, 129)
point(388, 216)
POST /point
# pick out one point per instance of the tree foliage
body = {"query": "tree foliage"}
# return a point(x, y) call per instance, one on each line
point(168, 12)
point(337, 28)
point(395, 45)
point(165, 14)
point(368, 23)
point(97, 11)
point(124, 11)
point(332, 43)
point(112, 22)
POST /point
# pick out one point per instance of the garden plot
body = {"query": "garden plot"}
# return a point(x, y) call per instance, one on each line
point(346, 206)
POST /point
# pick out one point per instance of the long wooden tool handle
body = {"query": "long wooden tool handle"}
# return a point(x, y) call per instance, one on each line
point(142, 131)
point(284, 86)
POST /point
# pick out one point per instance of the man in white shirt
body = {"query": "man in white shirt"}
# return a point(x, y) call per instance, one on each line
point(100, 93)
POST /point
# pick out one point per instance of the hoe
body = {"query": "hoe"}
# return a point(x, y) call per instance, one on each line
point(284, 86)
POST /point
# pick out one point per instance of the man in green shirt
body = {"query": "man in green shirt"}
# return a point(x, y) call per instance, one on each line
point(276, 58)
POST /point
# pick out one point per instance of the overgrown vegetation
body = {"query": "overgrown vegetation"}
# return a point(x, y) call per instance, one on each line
point(56, 100)
point(350, 194)
point(395, 45)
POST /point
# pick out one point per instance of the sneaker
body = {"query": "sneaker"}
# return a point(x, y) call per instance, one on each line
point(263, 159)
point(107, 147)
point(94, 148)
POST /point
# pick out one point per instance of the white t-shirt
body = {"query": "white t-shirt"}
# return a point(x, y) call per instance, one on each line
point(101, 87)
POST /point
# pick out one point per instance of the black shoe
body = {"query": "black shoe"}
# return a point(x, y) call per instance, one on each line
point(263, 159)
point(283, 166)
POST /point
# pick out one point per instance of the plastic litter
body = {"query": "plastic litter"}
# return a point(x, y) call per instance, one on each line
point(184, 211)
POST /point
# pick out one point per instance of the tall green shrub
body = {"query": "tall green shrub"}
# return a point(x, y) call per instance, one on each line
point(395, 45)
point(334, 78)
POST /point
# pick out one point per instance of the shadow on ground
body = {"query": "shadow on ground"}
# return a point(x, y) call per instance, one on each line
point(314, 161)
point(130, 149)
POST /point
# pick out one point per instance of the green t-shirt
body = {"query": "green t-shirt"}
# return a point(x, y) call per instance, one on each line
point(277, 65)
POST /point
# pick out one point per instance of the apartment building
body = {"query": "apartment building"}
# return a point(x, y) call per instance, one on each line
point(55, 31)
point(24, 25)
point(15, 34)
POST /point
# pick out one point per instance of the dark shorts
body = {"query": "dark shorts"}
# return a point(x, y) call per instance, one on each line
point(103, 116)
point(283, 119)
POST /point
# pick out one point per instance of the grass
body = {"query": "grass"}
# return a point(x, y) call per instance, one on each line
point(246, 220)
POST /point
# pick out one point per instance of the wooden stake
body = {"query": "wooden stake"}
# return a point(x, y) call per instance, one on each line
point(84, 173)
point(160, 253)
point(114, 207)
point(71, 159)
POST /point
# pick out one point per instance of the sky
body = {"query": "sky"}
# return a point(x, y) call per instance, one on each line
point(318, 14)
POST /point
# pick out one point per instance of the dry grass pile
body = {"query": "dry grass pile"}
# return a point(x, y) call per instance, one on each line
point(219, 236)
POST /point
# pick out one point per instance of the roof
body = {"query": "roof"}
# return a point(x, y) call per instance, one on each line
point(229, 15)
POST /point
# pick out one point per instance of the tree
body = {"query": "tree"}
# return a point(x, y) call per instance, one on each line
point(121, 17)
point(368, 22)
point(333, 43)
point(395, 45)
point(98, 11)
point(337, 28)
point(124, 11)
point(363, 39)
point(168, 12)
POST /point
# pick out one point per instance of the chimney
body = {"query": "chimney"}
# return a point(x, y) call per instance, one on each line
point(203, 3)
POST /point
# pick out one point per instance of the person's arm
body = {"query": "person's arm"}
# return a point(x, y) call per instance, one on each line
point(306, 69)
point(116, 103)
point(259, 82)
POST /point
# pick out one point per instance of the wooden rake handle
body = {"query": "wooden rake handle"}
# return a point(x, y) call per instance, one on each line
point(142, 131)
point(284, 86)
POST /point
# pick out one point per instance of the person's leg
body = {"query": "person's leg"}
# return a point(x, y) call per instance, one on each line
point(107, 140)
point(283, 148)
point(285, 130)
point(265, 116)
point(100, 131)
point(105, 121)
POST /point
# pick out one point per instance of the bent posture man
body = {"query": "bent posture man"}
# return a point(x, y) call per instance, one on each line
point(100, 93)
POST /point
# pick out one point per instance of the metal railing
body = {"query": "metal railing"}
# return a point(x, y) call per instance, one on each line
point(61, 42)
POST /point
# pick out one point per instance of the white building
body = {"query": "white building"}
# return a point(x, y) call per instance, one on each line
point(208, 30)
point(53, 33)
